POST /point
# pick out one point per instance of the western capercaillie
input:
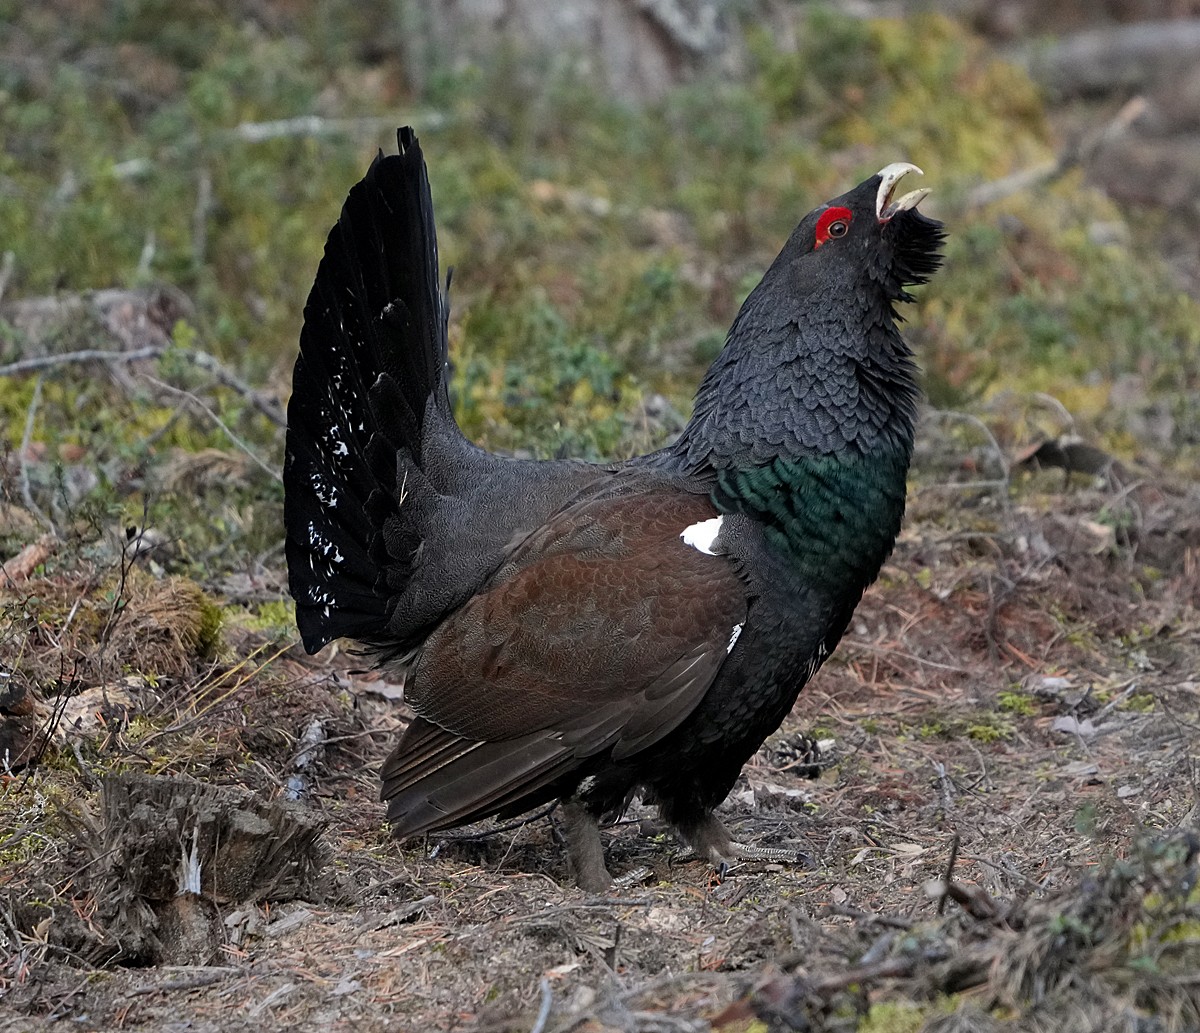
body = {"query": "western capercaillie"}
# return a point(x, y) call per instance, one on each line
point(583, 632)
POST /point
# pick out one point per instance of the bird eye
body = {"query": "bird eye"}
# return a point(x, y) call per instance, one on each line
point(834, 222)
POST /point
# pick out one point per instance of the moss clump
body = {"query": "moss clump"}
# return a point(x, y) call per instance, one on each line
point(1017, 703)
point(894, 1017)
point(990, 729)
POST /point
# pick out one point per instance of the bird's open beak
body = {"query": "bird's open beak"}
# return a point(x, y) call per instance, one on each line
point(889, 176)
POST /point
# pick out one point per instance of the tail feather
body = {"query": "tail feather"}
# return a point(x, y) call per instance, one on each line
point(435, 780)
point(373, 356)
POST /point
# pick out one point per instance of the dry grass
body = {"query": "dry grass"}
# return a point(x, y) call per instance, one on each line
point(998, 839)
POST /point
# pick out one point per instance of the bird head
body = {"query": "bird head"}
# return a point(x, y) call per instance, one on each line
point(867, 238)
point(814, 361)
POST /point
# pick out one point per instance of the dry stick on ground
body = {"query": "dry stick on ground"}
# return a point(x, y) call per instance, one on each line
point(7, 264)
point(21, 566)
point(23, 460)
point(949, 876)
point(317, 125)
point(202, 975)
point(203, 360)
point(1078, 153)
point(195, 401)
point(226, 377)
point(40, 362)
point(543, 1011)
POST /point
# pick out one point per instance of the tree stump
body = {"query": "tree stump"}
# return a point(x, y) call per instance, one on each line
point(174, 852)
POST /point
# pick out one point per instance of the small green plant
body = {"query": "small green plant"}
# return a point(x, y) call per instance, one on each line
point(990, 728)
point(1017, 703)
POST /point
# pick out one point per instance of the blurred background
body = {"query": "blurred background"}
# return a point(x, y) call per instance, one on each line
point(610, 179)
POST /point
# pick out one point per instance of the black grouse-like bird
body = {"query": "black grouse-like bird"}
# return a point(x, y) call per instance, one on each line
point(582, 632)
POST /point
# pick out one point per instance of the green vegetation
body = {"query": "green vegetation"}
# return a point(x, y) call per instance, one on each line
point(1018, 703)
point(600, 251)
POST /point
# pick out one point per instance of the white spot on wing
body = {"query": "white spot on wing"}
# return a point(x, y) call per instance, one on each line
point(733, 637)
point(702, 536)
point(815, 661)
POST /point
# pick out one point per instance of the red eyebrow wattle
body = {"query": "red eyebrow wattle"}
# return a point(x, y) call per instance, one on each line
point(828, 218)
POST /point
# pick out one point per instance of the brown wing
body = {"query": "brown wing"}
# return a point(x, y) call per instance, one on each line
point(604, 633)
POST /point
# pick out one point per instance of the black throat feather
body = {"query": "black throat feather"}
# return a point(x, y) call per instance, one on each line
point(805, 420)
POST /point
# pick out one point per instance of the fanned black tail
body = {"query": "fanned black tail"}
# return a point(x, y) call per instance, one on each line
point(372, 362)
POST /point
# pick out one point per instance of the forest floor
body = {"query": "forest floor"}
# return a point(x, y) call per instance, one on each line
point(1000, 833)
point(1001, 829)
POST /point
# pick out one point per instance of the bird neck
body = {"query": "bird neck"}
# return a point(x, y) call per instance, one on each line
point(810, 375)
point(809, 429)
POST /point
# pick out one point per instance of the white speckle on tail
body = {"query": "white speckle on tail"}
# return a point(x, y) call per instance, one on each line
point(702, 535)
point(733, 637)
point(326, 493)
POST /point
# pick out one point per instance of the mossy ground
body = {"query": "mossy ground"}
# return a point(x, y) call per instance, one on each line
point(600, 252)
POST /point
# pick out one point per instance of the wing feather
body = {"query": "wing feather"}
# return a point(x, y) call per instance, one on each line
point(574, 652)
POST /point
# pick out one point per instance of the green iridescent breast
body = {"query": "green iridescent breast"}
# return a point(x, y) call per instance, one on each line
point(834, 516)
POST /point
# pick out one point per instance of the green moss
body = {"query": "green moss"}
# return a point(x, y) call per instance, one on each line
point(1017, 703)
point(208, 632)
point(277, 617)
point(990, 730)
point(1140, 702)
point(895, 1017)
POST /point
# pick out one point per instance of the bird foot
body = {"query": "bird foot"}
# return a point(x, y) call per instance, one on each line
point(585, 852)
point(633, 877)
point(783, 855)
point(710, 840)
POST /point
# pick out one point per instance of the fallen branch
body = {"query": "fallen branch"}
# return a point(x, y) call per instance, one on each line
point(21, 566)
point(264, 403)
point(197, 403)
point(1078, 153)
point(316, 125)
point(205, 975)
point(1105, 60)
point(41, 362)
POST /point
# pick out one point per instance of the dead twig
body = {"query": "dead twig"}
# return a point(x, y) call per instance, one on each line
point(951, 861)
point(264, 403)
point(196, 402)
point(544, 1011)
point(203, 977)
point(1047, 172)
point(316, 125)
point(39, 362)
point(7, 265)
point(23, 460)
